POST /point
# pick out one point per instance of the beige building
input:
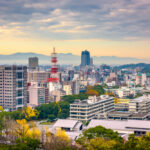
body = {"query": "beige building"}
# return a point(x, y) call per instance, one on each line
point(67, 87)
point(140, 104)
point(38, 76)
point(56, 95)
point(38, 94)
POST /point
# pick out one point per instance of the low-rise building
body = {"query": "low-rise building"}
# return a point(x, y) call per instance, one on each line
point(137, 127)
point(88, 109)
point(68, 125)
point(140, 104)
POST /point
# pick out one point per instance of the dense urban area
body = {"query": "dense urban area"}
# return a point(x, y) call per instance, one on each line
point(67, 107)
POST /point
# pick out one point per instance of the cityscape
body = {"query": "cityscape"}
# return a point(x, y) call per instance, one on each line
point(74, 75)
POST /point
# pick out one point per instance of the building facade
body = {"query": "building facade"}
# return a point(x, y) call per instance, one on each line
point(38, 76)
point(33, 63)
point(85, 58)
point(38, 94)
point(13, 87)
point(88, 109)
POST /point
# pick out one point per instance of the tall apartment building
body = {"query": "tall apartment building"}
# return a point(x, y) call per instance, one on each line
point(38, 76)
point(13, 87)
point(76, 87)
point(38, 94)
point(33, 63)
point(88, 109)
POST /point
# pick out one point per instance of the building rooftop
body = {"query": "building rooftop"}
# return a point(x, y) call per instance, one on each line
point(92, 99)
point(121, 125)
point(66, 123)
point(141, 98)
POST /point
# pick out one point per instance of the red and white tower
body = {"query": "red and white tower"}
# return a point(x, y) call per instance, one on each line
point(53, 81)
point(54, 69)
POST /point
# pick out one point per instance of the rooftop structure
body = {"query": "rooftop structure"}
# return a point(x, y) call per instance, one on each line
point(68, 125)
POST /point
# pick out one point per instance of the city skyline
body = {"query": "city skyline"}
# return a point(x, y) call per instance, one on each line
point(104, 28)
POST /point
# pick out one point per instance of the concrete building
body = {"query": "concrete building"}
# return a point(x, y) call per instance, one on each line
point(68, 125)
point(119, 115)
point(137, 127)
point(33, 63)
point(38, 76)
point(13, 87)
point(140, 104)
point(56, 95)
point(88, 109)
point(67, 87)
point(38, 94)
point(76, 87)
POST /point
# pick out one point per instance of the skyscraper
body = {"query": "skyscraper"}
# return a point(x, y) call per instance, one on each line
point(85, 58)
point(13, 87)
point(33, 63)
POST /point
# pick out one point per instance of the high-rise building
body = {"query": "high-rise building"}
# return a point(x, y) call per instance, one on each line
point(85, 58)
point(33, 63)
point(13, 87)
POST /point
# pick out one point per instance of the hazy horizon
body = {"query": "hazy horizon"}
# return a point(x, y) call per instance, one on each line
point(105, 28)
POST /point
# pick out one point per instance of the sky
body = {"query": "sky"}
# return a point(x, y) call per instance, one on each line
point(104, 27)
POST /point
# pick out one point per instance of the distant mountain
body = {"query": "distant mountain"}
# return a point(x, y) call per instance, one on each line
point(68, 58)
point(144, 67)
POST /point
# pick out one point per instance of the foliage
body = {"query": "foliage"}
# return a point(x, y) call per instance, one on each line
point(62, 134)
point(99, 89)
point(29, 112)
point(26, 144)
point(1, 109)
point(51, 117)
point(100, 131)
point(101, 144)
point(23, 130)
point(92, 92)
point(92, 136)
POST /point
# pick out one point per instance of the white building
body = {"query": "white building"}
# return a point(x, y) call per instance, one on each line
point(137, 127)
point(88, 109)
point(140, 104)
point(68, 125)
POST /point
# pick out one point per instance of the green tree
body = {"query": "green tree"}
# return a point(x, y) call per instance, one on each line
point(93, 136)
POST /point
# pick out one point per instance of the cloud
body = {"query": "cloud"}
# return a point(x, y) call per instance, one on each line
point(76, 19)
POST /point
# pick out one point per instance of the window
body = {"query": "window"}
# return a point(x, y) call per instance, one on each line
point(19, 75)
point(20, 84)
point(19, 93)
point(19, 101)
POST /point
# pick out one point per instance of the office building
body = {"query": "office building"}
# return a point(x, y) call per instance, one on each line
point(85, 58)
point(33, 63)
point(88, 109)
point(13, 87)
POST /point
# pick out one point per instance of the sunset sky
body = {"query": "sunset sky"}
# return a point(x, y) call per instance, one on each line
point(104, 27)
